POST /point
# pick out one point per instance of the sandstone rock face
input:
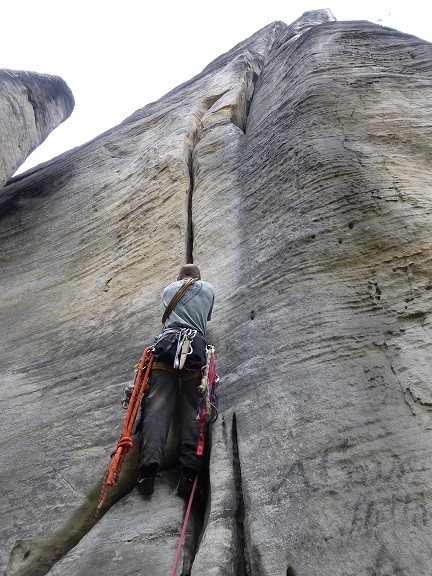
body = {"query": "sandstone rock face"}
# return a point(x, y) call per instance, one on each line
point(31, 106)
point(295, 170)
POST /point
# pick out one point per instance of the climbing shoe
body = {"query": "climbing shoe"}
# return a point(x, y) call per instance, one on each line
point(146, 479)
point(184, 487)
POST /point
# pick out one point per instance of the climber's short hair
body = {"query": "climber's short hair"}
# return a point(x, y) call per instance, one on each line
point(189, 271)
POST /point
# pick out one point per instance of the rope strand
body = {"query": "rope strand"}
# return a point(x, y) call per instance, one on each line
point(125, 443)
point(184, 527)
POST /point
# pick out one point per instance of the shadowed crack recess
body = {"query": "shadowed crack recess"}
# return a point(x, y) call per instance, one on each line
point(197, 523)
point(199, 518)
point(412, 398)
point(241, 564)
point(190, 228)
point(33, 103)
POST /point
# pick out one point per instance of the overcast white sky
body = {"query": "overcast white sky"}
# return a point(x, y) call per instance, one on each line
point(118, 56)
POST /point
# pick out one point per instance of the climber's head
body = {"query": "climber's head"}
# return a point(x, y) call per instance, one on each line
point(189, 271)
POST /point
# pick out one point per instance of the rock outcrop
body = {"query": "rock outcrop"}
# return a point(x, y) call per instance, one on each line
point(32, 105)
point(295, 170)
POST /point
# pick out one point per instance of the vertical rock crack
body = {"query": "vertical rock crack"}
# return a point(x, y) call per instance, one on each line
point(241, 563)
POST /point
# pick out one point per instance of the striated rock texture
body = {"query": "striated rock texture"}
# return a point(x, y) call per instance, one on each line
point(31, 106)
point(295, 170)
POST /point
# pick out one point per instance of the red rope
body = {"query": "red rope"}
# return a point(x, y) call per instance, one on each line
point(125, 444)
point(184, 527)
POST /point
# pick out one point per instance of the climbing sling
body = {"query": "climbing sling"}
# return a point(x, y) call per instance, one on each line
point(208, 404)
point(176, 298)
point(124, 444)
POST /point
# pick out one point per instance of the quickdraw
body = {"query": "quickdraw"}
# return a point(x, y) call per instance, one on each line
point(184, 346)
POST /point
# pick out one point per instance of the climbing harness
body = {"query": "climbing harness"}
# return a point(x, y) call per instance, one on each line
point(184, 527)
point(174, 345)
point(208, 404)
point(124, 444)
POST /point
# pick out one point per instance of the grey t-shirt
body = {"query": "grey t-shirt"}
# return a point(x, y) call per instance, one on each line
point(195, 307)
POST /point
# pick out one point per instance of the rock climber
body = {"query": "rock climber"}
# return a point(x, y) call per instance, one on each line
point(180, 354)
